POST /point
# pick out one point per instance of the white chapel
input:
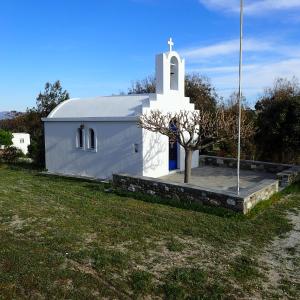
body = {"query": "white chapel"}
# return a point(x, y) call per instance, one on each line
point(97, 137)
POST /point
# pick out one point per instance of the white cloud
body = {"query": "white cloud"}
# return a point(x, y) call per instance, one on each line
point(221, 70)
point(251, 7)
point(220, 4)
point(255, 77)
point(264, 61)
point(269, 5)
point(226, 48)
point(222, 48)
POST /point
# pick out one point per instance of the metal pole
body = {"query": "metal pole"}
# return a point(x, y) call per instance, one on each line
point(240, 95)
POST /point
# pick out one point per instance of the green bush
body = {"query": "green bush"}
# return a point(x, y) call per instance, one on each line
point(5, 138)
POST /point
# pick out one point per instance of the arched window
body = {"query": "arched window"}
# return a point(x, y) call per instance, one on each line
point(92, 139)
point(80, 137)
point(174, 73)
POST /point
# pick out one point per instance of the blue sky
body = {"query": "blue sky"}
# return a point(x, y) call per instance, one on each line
point(98, 47)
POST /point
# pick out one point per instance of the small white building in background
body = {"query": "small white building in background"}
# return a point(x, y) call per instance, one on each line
point(21, 141)
point(99, 136)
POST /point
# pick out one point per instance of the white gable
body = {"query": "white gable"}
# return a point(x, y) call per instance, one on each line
point(170, 73)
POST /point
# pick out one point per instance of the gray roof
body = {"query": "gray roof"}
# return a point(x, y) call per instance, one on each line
point(101, 107)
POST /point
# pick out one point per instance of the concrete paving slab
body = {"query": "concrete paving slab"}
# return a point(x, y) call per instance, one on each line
point(221, 179)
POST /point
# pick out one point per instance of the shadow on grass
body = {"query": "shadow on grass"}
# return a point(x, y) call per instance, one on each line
point(21, 166)
point(90, 184)
point(97, 186)
point(217, 211)
point(56, 177)
point(261, 208)
point(258, 210)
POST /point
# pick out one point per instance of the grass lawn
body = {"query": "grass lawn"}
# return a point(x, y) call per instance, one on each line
point(62, 238)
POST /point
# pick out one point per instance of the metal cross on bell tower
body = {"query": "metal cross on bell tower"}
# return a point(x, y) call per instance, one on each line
point(171, 44)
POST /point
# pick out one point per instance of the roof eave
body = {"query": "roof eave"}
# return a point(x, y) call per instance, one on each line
point(93, 119)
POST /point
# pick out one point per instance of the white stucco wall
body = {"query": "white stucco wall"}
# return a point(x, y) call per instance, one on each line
point(156, 146)
point(162, 72)
point(114, 152)
point(21, 141)
point(155, 154)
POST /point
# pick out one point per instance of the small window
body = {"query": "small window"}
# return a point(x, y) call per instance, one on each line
point(80, 137)
point(21, 141)
point(92, 140)
point(136, 148)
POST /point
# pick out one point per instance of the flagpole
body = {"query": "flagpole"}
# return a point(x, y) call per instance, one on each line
point(240, 95)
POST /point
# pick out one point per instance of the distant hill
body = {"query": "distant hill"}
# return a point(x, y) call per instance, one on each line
point(3, 115)
point(7, 114)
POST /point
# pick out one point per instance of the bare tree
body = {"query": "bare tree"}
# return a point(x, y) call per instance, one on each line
point(193, 130)
point(144, 86)
point(282, 89)
point(228, 147)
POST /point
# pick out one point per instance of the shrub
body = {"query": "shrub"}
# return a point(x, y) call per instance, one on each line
point(11, 154)
point(278, 123)
point(37, 150)
point(5, 138)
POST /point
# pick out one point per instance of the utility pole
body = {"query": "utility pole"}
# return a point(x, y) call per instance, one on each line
point(240, 95)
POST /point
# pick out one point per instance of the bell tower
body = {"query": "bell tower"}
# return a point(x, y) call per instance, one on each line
point(170, 72)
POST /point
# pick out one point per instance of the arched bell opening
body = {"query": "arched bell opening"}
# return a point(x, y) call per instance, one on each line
point(174, 73)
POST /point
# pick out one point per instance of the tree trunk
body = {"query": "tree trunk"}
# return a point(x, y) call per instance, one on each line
point(188, 165)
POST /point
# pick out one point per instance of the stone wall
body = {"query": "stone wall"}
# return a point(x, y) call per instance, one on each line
point(244, 164)
point(261, 192)
point(192, 194)
point(286, 174)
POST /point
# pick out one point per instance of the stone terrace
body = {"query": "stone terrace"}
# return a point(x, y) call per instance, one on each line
point(221, 179)
point(214, 183)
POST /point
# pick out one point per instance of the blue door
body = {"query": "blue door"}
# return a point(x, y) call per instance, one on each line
point(173, 155)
